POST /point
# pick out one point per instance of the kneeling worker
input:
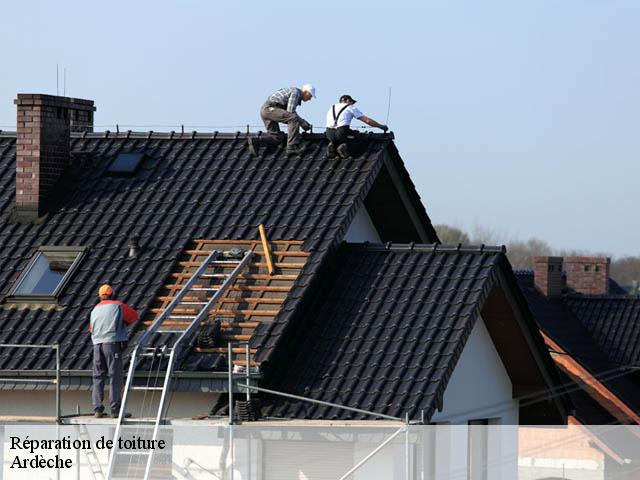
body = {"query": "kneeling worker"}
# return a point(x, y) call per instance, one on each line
point(342, 139)
point(109, 336)
point(281, 108)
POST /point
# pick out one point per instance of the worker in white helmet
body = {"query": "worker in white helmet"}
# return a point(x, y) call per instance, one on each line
point(280, 107)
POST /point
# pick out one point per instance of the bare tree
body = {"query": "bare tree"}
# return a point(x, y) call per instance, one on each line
point(449, 235)
point(625, 271)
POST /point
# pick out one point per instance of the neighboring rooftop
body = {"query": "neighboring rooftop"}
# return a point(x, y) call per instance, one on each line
point(598, 332)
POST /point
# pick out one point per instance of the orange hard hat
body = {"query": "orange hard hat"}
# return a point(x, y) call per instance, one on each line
point(105, 290)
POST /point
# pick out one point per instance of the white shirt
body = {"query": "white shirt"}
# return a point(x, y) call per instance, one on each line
point(344, 120)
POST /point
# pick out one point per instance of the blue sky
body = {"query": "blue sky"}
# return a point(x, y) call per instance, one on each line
point(517, 116)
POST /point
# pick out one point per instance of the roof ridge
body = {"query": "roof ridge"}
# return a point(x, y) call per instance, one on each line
point(189, 135)
point(427, 247)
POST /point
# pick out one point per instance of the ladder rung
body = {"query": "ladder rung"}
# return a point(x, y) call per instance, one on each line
point(170, 331)
point(121, 452)
point(193, 303)
point(181, 317)
point(136, 387)
point(214, 275)
point(199, 289)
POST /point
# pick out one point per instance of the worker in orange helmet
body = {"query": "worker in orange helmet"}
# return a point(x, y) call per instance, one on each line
point(109, 336)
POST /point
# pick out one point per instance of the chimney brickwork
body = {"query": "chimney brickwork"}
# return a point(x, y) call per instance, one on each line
point(588, 275)
point(548, 275)
point(44, 124)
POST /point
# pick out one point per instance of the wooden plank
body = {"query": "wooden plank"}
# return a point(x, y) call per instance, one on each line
point(247, 242)
point(265, 248)
point(246, 276)
point(279, 253)
point(241, 288)
point(235, 338)
point(223, 350)
point(269, 300)
point(243, 363)
point(250, 313)
point(247, 325)
point(251, 300)
point(259, 264)
point(226, 325)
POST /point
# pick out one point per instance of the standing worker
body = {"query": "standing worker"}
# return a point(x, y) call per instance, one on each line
point(109, 336)
point(281, 108)
point(342, 139)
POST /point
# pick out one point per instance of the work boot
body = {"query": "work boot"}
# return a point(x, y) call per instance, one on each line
point(98, 413)
point(343, 151)
point(295, 150)
point(254, 147)
point(331, 150)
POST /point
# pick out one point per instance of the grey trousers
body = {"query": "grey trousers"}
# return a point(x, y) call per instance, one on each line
point(107, 358)
point(272, 116)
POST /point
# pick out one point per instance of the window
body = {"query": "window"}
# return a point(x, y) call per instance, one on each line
point(48, 272)
point(587, 268)
point(125, 164)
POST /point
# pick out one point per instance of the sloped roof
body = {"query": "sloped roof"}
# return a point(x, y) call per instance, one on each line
point(613, 322)
point(187, 187)
point(595, 337)
point(386, 328)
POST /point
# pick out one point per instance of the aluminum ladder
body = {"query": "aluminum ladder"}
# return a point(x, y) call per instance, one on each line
point(93, 463)
point(165, 324)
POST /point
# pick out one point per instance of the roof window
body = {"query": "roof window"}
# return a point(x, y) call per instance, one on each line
point(125, 164)
point(48, 272)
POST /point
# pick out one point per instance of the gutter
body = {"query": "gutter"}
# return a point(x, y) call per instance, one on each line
point(82, 380)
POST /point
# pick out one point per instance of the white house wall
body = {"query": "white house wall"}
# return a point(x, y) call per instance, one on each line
point(479, 387)
point(362, 228)
point(18, 403)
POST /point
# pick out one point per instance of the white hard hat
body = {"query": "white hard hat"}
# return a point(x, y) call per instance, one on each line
point(309, 88)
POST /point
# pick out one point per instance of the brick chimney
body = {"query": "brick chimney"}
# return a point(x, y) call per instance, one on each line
point(42, 149)
point(588, 275)
point(547, 275)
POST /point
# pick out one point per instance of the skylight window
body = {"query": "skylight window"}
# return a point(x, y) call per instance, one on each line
point(125, 164)
point(48, 272)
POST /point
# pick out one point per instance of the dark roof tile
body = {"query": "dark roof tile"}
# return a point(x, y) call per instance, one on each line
point(185, 188)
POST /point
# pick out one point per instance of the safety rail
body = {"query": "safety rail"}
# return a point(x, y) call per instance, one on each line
point(55, 381)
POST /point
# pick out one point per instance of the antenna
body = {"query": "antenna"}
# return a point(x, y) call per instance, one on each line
point(64, 83)
point(57, 81)
point(388, 107)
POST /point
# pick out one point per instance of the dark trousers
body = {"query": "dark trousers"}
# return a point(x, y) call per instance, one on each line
point(272, 116)
point(107, 358)
point(355, 141)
